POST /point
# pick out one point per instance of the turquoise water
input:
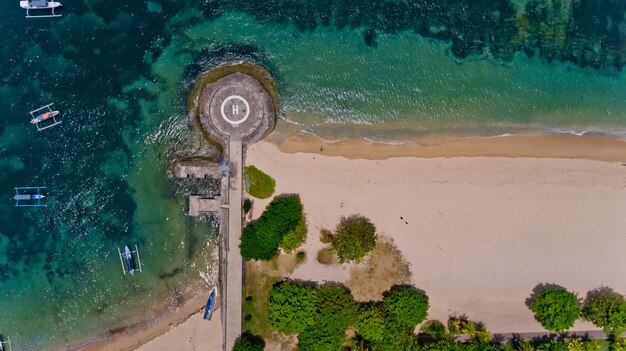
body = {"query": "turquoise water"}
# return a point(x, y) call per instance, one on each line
point(120, 72)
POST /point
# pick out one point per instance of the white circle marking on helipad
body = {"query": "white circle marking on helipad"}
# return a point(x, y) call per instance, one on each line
point(239, 121)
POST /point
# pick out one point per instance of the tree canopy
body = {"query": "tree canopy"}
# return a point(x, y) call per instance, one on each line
point(408, 305)
point(607, 310)
point(555, 308)
point(370, 322)
point(261, 239)
point(354, 237)
point(292, 307)
point(249, 342)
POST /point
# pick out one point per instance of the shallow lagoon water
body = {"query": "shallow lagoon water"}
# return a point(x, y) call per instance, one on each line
point(120, 73)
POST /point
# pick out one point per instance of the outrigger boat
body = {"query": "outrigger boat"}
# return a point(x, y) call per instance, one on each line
point(208, 310)
point(5, 345)
point(30, 196)
point(40, 5)
point(127, 257)
point(44, 116)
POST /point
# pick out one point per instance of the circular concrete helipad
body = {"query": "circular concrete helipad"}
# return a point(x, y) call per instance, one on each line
point(235, 107)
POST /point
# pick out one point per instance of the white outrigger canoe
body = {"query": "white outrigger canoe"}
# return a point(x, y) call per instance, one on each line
point(40, 5)
point(44, 114)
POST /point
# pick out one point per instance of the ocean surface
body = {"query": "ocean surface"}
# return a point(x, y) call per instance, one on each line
point(120, 72)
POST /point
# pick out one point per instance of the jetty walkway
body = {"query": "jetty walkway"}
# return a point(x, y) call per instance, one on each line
point(235, 111)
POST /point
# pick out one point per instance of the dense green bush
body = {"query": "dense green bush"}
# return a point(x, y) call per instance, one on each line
point(433, 328)
point(260, 185)
point(475, 330)
point(408, 305)
point(354, 237)
point(249, 342)
point(326, 236)
point(370, 322)
point(292, 307)
point(247, 206)
point(260, 240)
point(607, 310)
point(555, 308)
point(396, 336)
point(322, 315)
point(296, 237)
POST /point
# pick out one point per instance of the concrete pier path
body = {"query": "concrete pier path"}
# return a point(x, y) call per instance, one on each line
point(234, 261)
point(235, 110)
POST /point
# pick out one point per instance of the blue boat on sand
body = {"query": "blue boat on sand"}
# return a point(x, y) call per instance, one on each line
point(208, 311)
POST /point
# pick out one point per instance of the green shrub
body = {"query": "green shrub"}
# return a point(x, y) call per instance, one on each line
point(370, 322)
point(247, 206)
point(433, 328)
point(249, 342)
point(336, 312)
point(408, 305)
point(260, 240)
point(296, 237)
point(555, 308)
point(326, 236)
point(301, 256)
point(325, 256)
point(354, 238)
point(260, 185)
point(462, 325)
point(292, 307)
point(607, 310)
point(396, 336)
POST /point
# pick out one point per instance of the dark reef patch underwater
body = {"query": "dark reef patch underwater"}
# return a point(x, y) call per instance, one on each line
point(120, 72)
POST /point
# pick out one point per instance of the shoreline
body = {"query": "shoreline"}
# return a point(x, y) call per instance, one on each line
point(536, 145)
point(289, 140)
point(137, 336)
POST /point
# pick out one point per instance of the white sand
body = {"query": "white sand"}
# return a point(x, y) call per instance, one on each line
point(481, 233)
point(194, 334)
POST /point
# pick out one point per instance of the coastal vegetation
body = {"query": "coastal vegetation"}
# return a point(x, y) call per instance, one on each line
point(259, 184)
point(249, 342)
point(606, 309)
point(354, 237)
point(259, 279)
point(282, 224)
point(554, 307)
point(409, 306)
point(247, 206)
point(321, 316)
point(327, 317)
point(295, 237)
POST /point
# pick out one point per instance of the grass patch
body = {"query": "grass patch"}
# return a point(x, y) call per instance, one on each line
point(260, 185)
point(259, 278)
point(326, 256)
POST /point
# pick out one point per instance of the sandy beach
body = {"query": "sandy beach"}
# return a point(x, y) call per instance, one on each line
point(184, 330)
point(479, 232)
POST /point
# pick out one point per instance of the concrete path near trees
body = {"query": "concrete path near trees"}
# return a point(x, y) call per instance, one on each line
point(235, 110)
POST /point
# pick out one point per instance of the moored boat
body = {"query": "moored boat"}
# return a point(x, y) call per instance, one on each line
point(208, 310)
